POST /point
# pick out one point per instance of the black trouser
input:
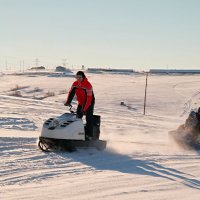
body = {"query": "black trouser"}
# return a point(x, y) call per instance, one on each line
point(89, 119)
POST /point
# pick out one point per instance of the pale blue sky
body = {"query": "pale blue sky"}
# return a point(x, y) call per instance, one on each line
point(138, 34)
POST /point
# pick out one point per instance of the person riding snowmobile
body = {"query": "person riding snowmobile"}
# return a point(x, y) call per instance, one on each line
point(82, 88)
point(193, 120)
point(192, 124)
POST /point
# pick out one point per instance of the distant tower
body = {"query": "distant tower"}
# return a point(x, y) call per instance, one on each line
point(20, 65)
point(37, 62)
point(23, 65)
point(6, 64)
point(64, 62)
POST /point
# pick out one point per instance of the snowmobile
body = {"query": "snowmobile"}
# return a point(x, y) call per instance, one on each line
point(187, 135)
point(67, 133)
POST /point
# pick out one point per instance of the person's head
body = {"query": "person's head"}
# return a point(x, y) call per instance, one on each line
point(80, 76)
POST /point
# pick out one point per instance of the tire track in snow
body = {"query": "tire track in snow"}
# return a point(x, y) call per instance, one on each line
point(17, 109)
point(23, 162)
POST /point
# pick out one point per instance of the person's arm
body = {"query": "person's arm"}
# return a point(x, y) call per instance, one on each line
point(88, 93)
point(70, 95)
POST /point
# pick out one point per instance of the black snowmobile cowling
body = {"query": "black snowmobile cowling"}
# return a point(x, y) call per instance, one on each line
point(187, 135)
point(67, 132)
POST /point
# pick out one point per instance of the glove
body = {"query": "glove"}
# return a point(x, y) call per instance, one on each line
point(67, 104)
point(80, 114)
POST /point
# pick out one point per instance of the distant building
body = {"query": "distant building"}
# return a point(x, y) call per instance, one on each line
point(94, 70)
point(38, 68)
point(110, 70)
point(62, 69)
point(168, 71)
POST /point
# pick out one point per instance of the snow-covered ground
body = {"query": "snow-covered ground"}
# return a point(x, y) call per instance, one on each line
point(140, 161)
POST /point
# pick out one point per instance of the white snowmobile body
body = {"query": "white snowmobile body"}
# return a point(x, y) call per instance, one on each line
point(66, 126)
point(66, 132)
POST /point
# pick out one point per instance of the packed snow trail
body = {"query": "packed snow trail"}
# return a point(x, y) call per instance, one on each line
point(139, 163)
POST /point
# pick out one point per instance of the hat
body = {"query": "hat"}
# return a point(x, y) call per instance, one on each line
point(80, 73)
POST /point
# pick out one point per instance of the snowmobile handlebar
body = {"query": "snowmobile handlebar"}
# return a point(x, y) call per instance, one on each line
point(70, 109)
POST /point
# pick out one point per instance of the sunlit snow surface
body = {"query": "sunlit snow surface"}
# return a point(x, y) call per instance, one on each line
point(140, 162)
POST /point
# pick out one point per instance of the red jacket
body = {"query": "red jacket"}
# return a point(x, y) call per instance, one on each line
point(84, 93)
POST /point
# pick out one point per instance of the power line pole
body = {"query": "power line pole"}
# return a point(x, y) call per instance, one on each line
point(20, 65)
point(37, 62)
point(23, 65)
point(6, 64)
point(145, 93)
point(64, 62)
